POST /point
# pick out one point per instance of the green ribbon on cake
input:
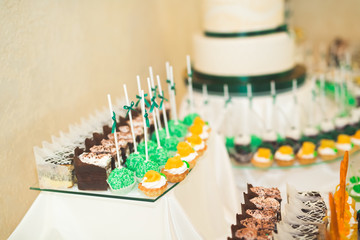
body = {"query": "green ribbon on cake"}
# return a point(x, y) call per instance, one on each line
point(139, 99)
point(113, 129)
point(172, 86)
point(146, 116)
point(238, 84)
point(153, 104)
point(161, 96)
point(129, 108)
point(282, 28)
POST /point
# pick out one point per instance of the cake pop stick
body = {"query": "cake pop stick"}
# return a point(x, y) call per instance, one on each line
point(172, 95)
point(273, 91)
point(144, 113)
point(139, 96)
point(154, 118)
point(249, 94)
point(294, 90)
point(205, 101)
point(130, 118)
point(163, 108)
point(190, 87)
point(112, 114)
point(154, 89)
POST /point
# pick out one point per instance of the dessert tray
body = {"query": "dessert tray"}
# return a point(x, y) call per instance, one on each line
point(134, 195)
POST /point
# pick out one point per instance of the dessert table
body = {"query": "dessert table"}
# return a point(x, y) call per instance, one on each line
point(203, 206)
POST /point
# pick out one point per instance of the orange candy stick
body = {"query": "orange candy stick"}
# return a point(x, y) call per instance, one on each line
point(334, 227)
point(342, 190)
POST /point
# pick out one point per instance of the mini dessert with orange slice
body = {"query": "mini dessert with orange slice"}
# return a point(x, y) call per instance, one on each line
point(197, 144)
point(263, 158)
point(153, 184)
point(200, 128)
point(327, 150)
point(355, 139)
point(175, 170)
point(344, 144)
point(187, 153)
point(307, 153)
point(284, 156)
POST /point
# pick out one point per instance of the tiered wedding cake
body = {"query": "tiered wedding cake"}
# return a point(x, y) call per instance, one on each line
point(244, 41)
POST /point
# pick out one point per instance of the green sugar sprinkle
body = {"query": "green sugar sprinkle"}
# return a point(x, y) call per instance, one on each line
point(171, 143)
point(143, 167)
point(121, 178)
point(132, 160)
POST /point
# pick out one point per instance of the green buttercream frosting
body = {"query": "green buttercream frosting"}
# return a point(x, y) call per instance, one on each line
point(132, 160)
point(189, 119)
point(160, 156)
point(121, 178)
point(170, 143)
point(144, 167)
point(151, 146)
point(178, 130)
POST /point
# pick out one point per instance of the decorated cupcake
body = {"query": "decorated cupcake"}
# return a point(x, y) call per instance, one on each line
point(144, 167)
point(189, 119)
point(263, 158)
point(292, 138)
point(284, 156)
point(327, 130)
point(160, 156)
point(311, 134)
point(178, 129)
point(307, 153)
point(327, 150)
point(200, 131)
point(187, 153)
point(197, 144)
point(344, 144)
point(200, 122)
point(153, 184)
point(121, 180)
point(175, 169)
point(269, 140)
point(242, 145)
point(355, 139)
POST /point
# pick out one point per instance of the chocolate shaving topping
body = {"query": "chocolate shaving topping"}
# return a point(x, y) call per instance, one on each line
point(262, 214)
point(267, 192)
point(257, 223)
point(266, 203)
point(246, 233)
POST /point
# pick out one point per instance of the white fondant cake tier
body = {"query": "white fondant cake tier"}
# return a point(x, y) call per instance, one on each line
point(244, 56)
point(226, 16)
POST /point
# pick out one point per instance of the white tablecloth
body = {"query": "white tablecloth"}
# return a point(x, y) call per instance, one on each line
point(203, 206)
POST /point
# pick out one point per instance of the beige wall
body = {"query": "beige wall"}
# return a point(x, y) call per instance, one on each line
point(59, 59)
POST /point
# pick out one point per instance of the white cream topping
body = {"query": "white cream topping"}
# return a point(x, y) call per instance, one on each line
point(310, 131)
point(204, 135)
point(179, 170)
point(156, 184)
point(344, 146)
point(327, 126)
point(270, 136)
point(242, 140)
point(198, 147)
point(355, 141)
point(306, 156)
point(205, 128)
point(284, 157)
point(341, 122)
point(261, 159)
point(293, 133)
point(101, 160)
point(189, 157)
point(326, 151)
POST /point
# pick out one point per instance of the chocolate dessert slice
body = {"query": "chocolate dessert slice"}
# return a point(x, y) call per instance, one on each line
point(92, 170)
